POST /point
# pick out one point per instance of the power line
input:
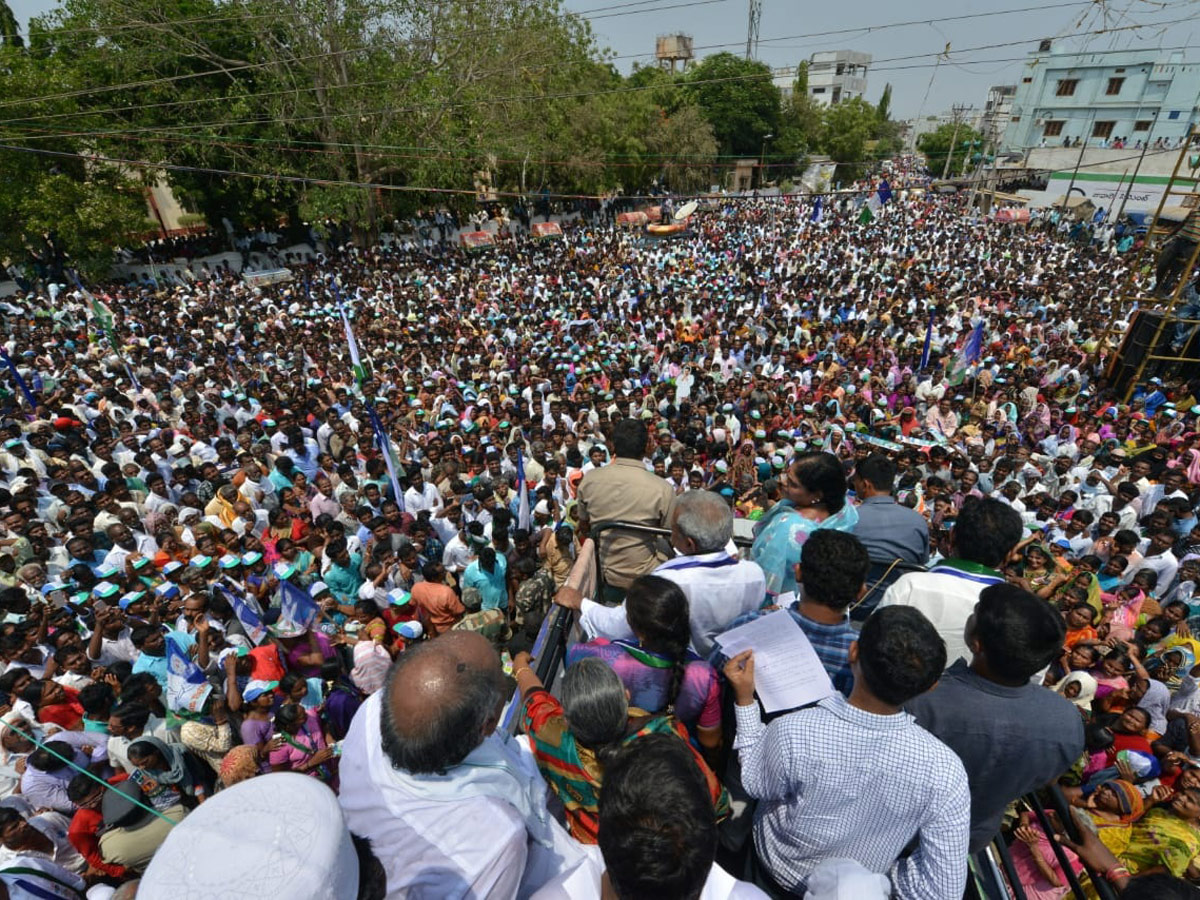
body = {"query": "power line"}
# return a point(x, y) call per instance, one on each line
point(866, 29)
point(583, 94)
point(226, 70)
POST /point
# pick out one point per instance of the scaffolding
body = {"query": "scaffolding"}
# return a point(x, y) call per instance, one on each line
point(1186, 188)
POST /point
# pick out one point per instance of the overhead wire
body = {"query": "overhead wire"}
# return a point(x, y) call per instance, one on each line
point(570, 95)
point(828, 33)
point(225, 70)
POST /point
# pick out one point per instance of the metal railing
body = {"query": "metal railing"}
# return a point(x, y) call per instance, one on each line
point(1009, 886)
point(599, 528)
point(557, 631)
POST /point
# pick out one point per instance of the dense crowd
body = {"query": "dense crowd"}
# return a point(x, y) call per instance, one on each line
point(251, 649)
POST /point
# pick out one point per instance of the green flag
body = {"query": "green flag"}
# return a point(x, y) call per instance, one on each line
point(866, 216)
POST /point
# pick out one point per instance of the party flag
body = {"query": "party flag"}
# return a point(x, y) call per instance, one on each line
point(21, 385)
point(523, 518)
point(385, 447)
point(971, 351)
point(187, 688)
point(246, 614)
point(928, 341)
point(297, 610)
point(818, 212)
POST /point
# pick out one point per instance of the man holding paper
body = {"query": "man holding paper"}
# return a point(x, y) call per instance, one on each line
point(858, 778)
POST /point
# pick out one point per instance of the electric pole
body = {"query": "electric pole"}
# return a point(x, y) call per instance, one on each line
point(752, 29)
point(958, 110)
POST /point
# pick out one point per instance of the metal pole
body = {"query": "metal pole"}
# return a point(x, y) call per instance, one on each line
point(1136, 264)
point(1184, 278)
point(1078, 163)
point(1138, 167)
point(953, 142)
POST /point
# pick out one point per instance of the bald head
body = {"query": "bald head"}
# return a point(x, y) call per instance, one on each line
point(441, 700)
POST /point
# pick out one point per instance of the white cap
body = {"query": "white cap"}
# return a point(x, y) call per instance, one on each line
point(276, 835)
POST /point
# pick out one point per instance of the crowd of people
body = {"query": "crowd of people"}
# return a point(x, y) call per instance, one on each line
point(274, 561)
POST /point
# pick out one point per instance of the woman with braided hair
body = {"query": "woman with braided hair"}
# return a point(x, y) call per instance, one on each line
point(660, 672)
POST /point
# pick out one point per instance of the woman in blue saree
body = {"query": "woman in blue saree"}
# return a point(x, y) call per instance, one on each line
point(814, 490)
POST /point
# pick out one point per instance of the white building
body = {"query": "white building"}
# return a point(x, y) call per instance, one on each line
point(837, 75)
point(1129, 97)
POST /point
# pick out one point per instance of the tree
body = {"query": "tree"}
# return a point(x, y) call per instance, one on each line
point(884, 109)
point(799, 126)
point(936, 146)
point(887, 133)
point(10, 29)
point(738, 99)
point(846, 129)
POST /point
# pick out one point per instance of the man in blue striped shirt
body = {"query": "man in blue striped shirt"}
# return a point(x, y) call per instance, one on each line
point(858, 779)
point(833, 572)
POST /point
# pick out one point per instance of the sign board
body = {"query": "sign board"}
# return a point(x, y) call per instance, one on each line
point(1103, 190)
point(477, 240)
point(1012, 215)
point(268, 276)
point(546, 230)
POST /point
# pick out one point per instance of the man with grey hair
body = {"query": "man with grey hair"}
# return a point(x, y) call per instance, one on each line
point(452, 808)
point(719, 586)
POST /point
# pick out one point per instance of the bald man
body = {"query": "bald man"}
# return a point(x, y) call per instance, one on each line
point(452, 809)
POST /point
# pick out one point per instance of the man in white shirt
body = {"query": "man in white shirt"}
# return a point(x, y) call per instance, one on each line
point(452, 809)
point(1161, 560)
point(421, 495)
point(719, 586)
point(983, 536)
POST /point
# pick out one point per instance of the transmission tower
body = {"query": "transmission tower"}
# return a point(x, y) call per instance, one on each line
point(752, 29)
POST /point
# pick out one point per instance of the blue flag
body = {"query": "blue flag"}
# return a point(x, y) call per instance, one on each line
point(21, 385)
point(970, 354)
point(928, 342)
point(246, 614)
point(885, 191)
point(523, 520)
point(297, 610)
point(385, 447)
point(818, 212)
point(187, 688)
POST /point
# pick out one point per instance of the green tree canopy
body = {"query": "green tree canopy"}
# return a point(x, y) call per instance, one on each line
point(738, 99)
point(936, 146)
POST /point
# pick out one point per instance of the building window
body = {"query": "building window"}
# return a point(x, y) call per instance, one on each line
point(1015, 119)
point(1026, 81)
point(1066, 87)
point(1114, 86)
point(1142, 124)
point(1173, 114)
point(1103, 130)
point(1053, 129)
point(818, 90)
point(841, 69)
point(1119, 71)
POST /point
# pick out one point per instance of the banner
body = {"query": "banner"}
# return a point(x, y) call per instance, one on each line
point(267, 276)
point(187, 688)
point(246, 614)
point(296, 607)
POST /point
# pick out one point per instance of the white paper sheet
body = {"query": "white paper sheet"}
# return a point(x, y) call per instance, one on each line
point(787, 671)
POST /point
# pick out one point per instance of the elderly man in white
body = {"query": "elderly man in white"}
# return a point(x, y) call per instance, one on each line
point(719, 586)
point(452, 809)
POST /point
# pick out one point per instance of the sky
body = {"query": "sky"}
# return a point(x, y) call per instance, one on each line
point(904, 54)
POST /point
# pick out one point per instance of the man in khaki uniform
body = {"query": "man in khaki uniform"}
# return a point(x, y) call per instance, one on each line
point(624, 491)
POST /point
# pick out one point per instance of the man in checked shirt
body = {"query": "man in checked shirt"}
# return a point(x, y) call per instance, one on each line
point(857, 778)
